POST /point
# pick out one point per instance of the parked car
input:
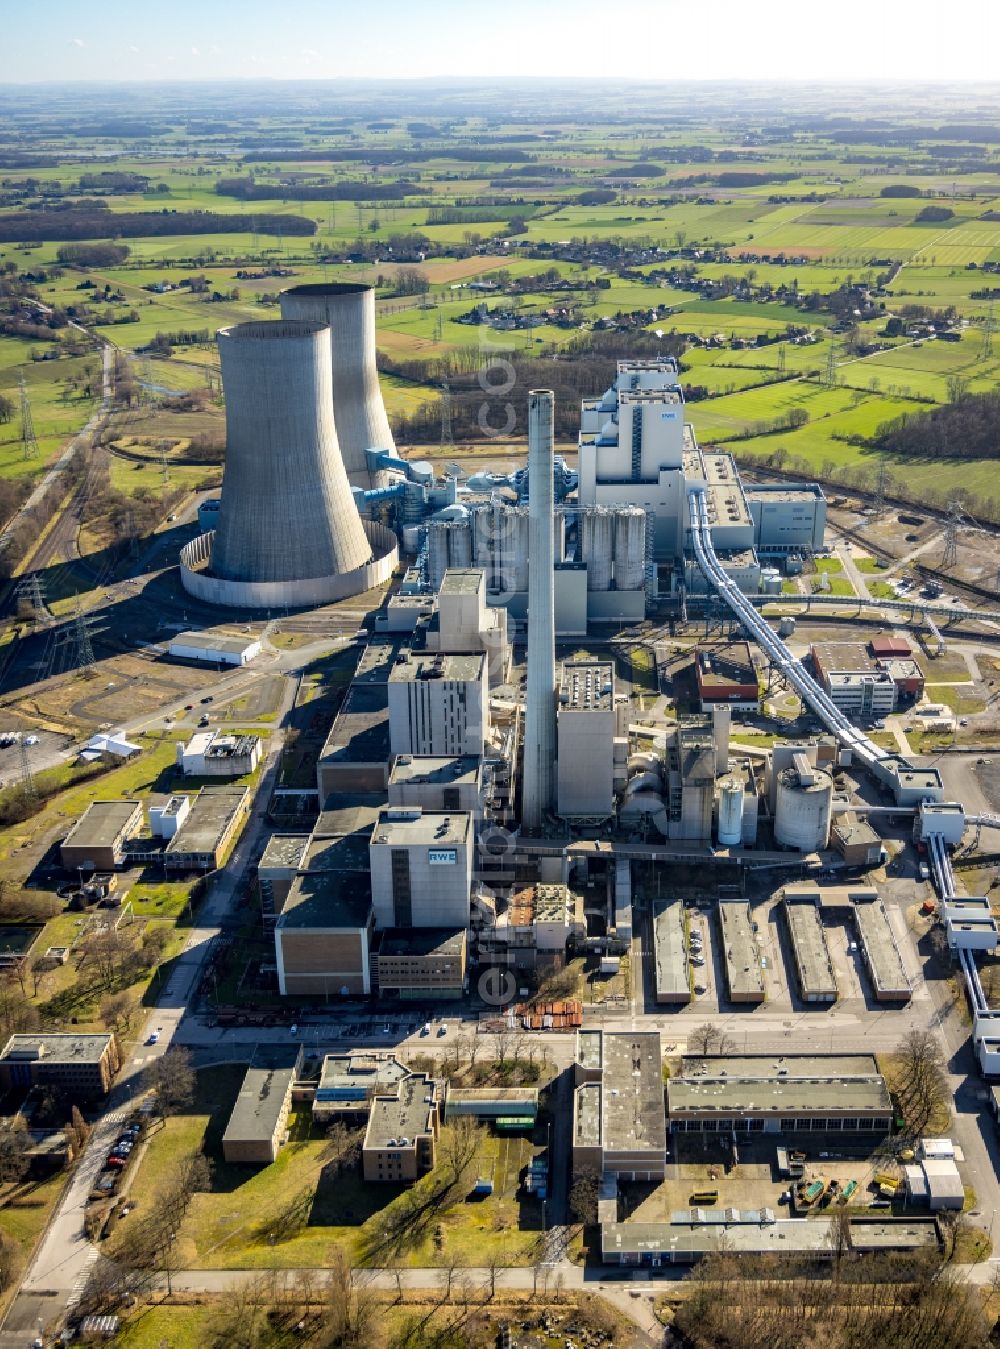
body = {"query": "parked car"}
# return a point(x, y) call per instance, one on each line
point(442, 1030)
point(152, 1037)
point(425, 1028)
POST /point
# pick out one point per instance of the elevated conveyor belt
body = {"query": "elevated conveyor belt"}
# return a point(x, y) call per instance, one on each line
point(944, 882)
point(876, 759)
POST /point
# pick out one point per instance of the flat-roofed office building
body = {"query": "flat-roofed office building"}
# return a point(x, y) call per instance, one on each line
point(422, 962)
point(401, 1137)
point(83, 1066)
point(98, 838)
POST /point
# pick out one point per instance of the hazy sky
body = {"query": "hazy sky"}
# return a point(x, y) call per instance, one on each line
point(644, 39)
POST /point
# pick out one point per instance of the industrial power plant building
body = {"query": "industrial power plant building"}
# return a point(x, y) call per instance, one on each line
point(421, 868)
point(585, 722)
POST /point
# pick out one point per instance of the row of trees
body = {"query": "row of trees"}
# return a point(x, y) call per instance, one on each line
point(246, 189)
point(890, 1302)
point(19, 226)
point(968, 427)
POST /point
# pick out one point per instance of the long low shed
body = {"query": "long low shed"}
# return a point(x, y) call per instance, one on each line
point(673, 980)
point(498, 1103)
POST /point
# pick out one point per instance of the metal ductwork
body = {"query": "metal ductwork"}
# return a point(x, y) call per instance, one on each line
point(348, 310)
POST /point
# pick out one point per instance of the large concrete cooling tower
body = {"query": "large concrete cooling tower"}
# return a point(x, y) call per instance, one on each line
point(289, 532)
point(349, 310)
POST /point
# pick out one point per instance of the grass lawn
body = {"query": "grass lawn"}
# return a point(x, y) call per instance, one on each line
point(24, 1211)
point(867, 565)
point(939, 1124)
point(757, 739)
point(233, 1226)
point(833, 565)
point(881, 590)
point(138, 777)
point(160, 899)
point(836, 585)
point(960, 698)
point(178, 1327)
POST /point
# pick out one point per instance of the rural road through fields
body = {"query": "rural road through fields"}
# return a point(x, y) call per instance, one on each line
point(60, 464)
point(58, 1272)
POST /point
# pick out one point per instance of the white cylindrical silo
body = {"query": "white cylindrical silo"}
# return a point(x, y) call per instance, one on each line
point(730, 812)
point(803, 808)
point(437, 552)
point(597, 546)
point(500, 547)
point(630, 548)
point(538, 795)
point(287, 512)
point(460, 543)
point(349, 311)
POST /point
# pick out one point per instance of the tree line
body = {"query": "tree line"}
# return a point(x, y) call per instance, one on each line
point(21, 226)
point(967, 428)
point(348, 190)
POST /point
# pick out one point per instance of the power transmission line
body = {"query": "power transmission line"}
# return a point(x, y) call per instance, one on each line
point(881, 486)
point(27, 779)
point(29, 442)
point(950, 556)
point(30, 590)
point(447, 439)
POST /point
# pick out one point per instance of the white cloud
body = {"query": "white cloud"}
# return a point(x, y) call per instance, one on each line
point(195, 51)
point(309, 52)
point(134, 49)
point(77, 42)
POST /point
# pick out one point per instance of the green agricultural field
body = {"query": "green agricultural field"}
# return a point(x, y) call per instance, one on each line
point(809, 218)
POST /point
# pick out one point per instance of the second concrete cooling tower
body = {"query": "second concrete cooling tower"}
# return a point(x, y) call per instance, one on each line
point(289, 532)
point(349, 312)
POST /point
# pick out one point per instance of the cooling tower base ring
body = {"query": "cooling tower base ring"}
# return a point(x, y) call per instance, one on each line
point(198, 581)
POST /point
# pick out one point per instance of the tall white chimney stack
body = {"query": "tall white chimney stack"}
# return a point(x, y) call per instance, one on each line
point(538, 788)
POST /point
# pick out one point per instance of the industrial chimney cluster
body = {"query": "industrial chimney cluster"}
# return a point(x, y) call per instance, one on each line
point(303, 406)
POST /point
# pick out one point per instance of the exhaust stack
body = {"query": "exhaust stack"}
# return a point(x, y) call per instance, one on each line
point(540, 714)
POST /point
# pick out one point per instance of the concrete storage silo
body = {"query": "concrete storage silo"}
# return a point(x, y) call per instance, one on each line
point(597, 547)
point(288, 530)
point(348, 309)
point(630, 548)
point(449, 544)
point(804, 806)
point(730, 813)
point(500, 547)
